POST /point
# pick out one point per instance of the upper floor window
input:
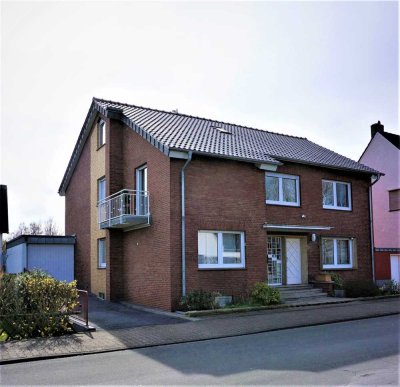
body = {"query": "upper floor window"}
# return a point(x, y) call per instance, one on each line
point(101, 189)
point(101, 253)
point(337, 253)
point(394, 200)
point(217, 249)
point(282, 189)
point(336, 195)
point(101, 133)
point(142, 203)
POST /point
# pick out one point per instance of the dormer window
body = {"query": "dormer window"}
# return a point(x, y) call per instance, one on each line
point(101, 133)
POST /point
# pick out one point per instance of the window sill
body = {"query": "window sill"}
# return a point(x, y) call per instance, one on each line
point(337, 208)
point(338, 268)
point(283, 204)
point(220, 268)
point(101, 268)
point(101, 146)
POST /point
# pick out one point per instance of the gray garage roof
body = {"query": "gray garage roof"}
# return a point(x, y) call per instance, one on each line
point(175, 131)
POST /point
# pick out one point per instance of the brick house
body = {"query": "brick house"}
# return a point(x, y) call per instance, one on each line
point(383, 153)
point(163, 203)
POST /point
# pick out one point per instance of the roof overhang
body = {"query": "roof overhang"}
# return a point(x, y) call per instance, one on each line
point(295, 227)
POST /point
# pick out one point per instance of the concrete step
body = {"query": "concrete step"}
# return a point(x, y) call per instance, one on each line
point(301, 293)
point(303, 290)
point(294, 287)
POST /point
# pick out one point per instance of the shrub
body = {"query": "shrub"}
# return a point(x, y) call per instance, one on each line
point(338, 280)
point(34, 304)
point(391, 287)
point(361, 288)
point(263, 294)
point(199, 300)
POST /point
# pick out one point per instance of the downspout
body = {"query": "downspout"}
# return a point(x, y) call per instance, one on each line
point(371, 226)
point(183, 246)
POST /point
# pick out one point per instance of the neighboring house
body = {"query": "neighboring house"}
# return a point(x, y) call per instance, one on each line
point(163, 203)
point(382, 153)
point(53, 254)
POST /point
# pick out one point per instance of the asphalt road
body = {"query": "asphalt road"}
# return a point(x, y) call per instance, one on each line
point(352, 353)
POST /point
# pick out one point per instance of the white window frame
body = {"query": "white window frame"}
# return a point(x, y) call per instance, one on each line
point(101, 265)
point(335, 206)
point(141, 189)
point(99, 182)
point(101, 133)
point(335, 257)
point(220, 252)
point(280, 202)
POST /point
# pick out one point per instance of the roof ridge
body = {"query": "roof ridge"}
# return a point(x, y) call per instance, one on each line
point(200, 118)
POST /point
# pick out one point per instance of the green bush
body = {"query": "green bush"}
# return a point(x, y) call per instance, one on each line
point(263, 294)
point(391, 287)
point(338, 280)
point(35, 304)
point(361, 288)
point(198, 300)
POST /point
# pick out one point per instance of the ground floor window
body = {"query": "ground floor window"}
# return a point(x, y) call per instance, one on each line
point(221, 249)
point(337, 253)
point(101, 253)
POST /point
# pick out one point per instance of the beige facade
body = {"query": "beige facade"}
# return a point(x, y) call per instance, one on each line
point(97, 171)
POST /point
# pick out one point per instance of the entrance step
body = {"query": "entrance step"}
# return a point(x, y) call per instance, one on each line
point(298, 293)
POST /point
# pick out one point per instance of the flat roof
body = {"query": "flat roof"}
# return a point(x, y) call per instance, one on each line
point(42, 240)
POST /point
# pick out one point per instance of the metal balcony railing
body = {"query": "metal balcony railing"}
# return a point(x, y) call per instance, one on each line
point(126, 208)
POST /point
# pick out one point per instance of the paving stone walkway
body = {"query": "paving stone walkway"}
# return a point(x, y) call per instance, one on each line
point(203, 329)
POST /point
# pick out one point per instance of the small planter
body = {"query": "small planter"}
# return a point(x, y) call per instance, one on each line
point(340, 293)
point(222, 301)
point(323, 278)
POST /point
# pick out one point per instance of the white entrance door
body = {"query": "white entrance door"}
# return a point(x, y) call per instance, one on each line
point(293, 261)
point(395, 267)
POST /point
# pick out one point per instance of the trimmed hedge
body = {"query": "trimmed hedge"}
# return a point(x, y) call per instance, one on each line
point(361, 288)
point(34, 304)
point(199, 300)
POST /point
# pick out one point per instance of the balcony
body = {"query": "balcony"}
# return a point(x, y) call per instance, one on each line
point(126, 209)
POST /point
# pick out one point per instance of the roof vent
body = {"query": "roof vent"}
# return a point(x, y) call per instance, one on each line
point(175, 110)
point(220, 129)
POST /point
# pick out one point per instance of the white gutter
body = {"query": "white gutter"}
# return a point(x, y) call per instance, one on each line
point(183, 245)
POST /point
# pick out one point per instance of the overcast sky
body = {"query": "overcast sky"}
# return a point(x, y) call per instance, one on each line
point(322, 70)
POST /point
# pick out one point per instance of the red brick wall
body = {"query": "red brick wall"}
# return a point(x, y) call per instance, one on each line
point(226, 196)
point(229, 195)
point(141, 257)
point(353, 223)
point(114, 178)
point(382, 265)
point(77, 216)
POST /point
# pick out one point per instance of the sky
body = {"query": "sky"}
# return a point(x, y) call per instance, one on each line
point(321, 70)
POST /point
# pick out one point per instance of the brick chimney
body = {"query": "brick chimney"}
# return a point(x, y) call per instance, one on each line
point(376, 128)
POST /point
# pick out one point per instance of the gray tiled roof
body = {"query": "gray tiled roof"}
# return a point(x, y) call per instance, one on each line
point(200, 135)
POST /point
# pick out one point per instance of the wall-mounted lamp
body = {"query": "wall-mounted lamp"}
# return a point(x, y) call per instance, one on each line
point(313, 237)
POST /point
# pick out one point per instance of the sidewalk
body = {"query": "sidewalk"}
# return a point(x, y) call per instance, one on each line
point(204, 329)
